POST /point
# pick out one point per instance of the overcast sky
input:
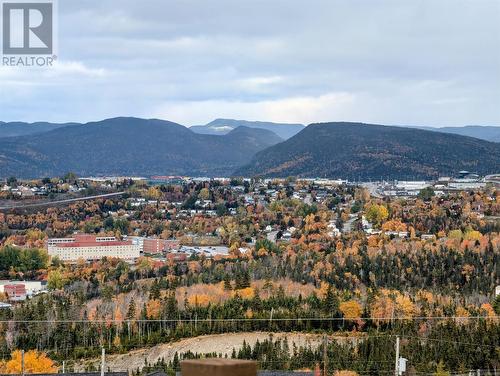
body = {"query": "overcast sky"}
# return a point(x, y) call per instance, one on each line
point(432, 62)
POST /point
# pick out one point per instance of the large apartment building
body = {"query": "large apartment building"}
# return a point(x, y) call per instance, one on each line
point(89, 247)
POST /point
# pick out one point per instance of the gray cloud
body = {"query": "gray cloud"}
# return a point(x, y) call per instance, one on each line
point(422, 62)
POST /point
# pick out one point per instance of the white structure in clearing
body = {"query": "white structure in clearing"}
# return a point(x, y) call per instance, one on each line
point(88, 247)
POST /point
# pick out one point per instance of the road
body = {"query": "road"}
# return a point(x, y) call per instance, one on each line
point(373, 189)
point(347, 228)
point(58, 202)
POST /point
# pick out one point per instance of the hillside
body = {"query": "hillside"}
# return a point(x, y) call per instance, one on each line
point(130, 146)
point(20, 129)
point(486, 133)
point(224, 126)
point(218, 343)
point(367, 151)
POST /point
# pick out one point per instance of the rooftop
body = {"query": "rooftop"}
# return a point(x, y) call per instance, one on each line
point(86, 240)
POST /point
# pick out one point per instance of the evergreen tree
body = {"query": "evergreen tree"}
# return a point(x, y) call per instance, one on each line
point(176, 363)
point(131, 310)
point(496, 304)
point(227, 283)
point(331, 303)
point(155, 290)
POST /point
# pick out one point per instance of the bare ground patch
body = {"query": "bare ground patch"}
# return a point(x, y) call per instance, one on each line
point(218, 343)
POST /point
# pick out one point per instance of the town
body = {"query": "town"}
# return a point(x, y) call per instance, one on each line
point(184, 250)
point(250, 188)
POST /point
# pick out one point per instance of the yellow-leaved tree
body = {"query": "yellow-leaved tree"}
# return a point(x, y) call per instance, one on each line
point(345, 373)
point(377, 214)
point(34, 362)
point(351, 309)
point(153, 309)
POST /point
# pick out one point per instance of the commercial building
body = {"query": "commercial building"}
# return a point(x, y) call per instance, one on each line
point(31, 287)
point(15, 292)
point(207, 251)
point(155, 245)
point(5, 305)
point(152, 245)
point(466, 184)
point(88, 247)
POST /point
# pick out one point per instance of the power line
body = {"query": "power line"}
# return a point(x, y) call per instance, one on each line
point(448, 341)
point(245, 319)
point(91, 347)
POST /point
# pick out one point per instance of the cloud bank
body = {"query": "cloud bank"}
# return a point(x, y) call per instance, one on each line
point(395, 62)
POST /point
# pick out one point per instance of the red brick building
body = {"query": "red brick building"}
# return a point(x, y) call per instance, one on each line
point(177, 256)
point(152, 245)
point(15, 292)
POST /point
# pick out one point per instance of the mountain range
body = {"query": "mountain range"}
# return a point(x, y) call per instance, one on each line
point(18, 128)
point(224, 126)
point(133, 146)
point(130, 146)
point(369, 151)
point(482, 132)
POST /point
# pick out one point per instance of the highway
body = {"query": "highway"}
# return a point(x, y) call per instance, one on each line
point(58, 202)
point(372, 187)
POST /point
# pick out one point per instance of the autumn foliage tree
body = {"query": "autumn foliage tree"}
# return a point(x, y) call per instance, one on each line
point(394, 225)
point(153, 309)
point(34, 362)
point(351, 309)
point(377, 214)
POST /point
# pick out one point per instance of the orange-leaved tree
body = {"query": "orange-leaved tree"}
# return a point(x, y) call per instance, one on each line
point(34, 362)
point(153, 309)
point(351, 309)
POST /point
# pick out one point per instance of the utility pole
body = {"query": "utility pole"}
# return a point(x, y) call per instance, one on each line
point(22, 362)
point(325, 345)
point(396, 368)
point(64, 368)
point(103, 361)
